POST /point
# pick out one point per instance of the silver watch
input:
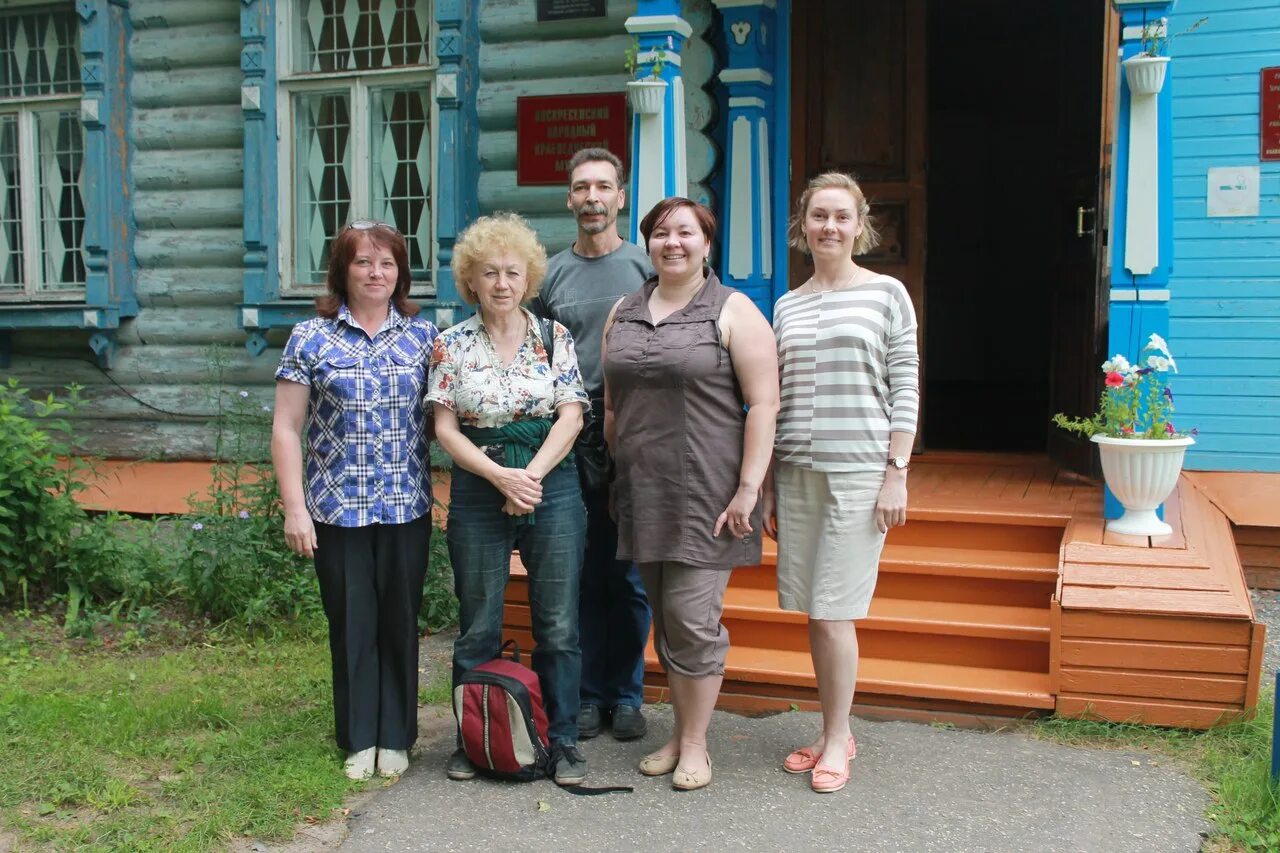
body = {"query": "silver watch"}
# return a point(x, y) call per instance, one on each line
point(899, 462)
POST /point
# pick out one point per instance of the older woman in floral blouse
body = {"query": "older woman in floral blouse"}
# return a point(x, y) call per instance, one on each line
point(508, 414)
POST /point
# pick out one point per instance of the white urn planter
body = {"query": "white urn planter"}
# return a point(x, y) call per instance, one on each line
point(1141, 473)
point(645, 96)
point(1145, 73)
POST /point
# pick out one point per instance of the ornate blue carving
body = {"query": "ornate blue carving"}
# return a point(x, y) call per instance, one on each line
point(457, 140)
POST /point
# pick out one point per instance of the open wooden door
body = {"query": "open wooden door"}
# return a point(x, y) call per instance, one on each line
point(1086, 86)
point(859, 96)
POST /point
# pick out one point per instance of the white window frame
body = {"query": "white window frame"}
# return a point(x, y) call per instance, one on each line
point(33, 260)
point(359, 84)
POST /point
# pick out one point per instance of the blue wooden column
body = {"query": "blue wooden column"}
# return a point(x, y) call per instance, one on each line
point(1141, 255)
point(457, 141)
point(658, 163)
point(109, 230)
point(749, 32)
point(261, 165)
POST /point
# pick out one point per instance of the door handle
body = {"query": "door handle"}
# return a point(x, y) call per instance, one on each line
point(1081, 212)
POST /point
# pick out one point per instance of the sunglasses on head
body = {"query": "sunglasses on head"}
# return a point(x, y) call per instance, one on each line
point(367, 224)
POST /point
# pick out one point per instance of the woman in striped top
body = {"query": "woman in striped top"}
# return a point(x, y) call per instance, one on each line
point(850, 394)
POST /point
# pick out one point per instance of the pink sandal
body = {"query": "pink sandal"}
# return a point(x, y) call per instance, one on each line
point(803, 759)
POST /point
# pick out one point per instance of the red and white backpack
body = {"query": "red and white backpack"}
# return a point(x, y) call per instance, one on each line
point(499, 710)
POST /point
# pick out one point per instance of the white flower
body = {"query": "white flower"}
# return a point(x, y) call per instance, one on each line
point(1158, 363)
point(1117, 364)
point(1157, 343)
point(244, 393)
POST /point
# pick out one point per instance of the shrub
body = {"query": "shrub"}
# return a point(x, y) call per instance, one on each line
point(439, 605)
point(38, 511)
point(126, 562)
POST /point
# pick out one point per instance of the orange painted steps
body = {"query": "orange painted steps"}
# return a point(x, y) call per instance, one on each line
point(878, 677)
point(960, 619)
point(908, 615)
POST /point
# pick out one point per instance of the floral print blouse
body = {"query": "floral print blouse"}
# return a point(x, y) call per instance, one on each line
point(468, 377)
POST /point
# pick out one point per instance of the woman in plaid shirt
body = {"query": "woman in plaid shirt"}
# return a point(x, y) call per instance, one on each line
point(351, 382)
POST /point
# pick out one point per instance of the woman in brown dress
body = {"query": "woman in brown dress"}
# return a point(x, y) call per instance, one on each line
point(691, 397)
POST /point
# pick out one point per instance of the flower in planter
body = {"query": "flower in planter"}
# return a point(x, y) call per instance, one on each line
point(1136, 402)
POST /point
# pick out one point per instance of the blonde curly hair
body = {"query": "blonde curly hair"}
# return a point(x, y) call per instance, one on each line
point(490, 236)
point(870, 236)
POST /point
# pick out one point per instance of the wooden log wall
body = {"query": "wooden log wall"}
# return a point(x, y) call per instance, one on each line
point(519, 56)
point(186, 161)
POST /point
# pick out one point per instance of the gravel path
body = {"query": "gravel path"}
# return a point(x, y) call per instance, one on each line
point(1266, 604)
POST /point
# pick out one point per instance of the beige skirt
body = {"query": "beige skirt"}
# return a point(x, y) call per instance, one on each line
point(828, 544)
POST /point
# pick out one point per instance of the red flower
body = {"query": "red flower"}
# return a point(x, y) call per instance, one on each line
point(1126, 430)
point(1114, 380)
point(1168, 428)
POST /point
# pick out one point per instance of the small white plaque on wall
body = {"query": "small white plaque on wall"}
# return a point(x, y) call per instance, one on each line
point(1233, 190)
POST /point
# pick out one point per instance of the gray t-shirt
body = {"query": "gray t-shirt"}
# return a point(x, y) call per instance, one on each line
point(578, 293)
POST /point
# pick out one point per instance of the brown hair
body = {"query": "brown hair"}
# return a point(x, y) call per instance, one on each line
point(594, 155)
point(342, 251)
point(870, 236)
point(489, 236)
point(666, 207)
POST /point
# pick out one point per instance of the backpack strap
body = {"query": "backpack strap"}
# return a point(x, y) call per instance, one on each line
point(584, 791)
point(548, 329)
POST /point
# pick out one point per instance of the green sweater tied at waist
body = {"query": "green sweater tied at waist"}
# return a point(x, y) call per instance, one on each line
point(520, 442)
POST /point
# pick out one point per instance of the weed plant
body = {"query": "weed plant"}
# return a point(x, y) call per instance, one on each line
point(236, 566)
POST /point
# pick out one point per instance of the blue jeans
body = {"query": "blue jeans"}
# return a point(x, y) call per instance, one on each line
point(481, 538)
point(613, 615)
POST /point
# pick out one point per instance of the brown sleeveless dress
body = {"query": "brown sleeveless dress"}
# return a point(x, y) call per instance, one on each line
point(679, 418)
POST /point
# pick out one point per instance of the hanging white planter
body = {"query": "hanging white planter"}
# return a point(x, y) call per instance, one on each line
point(645, 96)
point(1141, 473)
point(1145, 73)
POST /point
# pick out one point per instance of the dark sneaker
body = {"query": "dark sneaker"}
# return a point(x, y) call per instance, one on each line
point(628, 723)
point(570, 766)
point(590, 721)
point(460, 767)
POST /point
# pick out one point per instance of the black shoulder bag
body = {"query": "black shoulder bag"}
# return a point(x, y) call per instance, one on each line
point(595, 465)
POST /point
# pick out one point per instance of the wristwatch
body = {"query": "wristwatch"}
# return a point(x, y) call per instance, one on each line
point(900, 463)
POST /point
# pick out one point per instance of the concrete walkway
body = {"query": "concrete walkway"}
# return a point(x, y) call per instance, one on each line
point(914, 788)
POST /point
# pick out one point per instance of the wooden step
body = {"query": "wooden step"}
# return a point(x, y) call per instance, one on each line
point(970, 562)
point(909, 615)
point(899, 678)
point(995, 564)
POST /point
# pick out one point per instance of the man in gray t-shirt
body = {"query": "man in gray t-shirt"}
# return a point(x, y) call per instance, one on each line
point(582, 284)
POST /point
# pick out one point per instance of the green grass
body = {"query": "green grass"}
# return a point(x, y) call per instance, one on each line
point(164, 748)
point(1233, 762)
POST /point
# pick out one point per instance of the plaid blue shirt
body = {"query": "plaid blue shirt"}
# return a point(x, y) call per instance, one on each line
point(367, 457)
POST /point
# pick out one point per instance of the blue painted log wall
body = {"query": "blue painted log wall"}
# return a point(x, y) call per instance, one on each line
point(1224, 321)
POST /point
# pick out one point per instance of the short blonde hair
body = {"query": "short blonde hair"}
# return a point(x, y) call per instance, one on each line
point(490, 236)
point(870, 236)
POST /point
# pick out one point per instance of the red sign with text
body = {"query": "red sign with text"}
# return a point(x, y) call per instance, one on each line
point(1270, 114)
point(550, 128)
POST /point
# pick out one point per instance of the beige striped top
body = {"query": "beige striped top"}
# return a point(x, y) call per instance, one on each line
point(850, 375)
